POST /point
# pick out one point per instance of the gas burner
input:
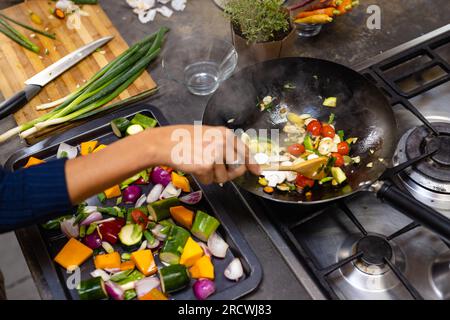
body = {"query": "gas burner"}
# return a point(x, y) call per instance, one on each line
point(429, 180)
point(440, 273)
point(420, 141)
point(370, 273)
point(375, 251)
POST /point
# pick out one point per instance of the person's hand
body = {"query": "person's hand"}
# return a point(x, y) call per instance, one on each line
point(211, 154)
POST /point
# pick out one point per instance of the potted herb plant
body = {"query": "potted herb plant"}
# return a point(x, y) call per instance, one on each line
point(261, 29)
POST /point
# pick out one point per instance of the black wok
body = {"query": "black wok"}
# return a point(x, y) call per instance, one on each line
point(362, 111)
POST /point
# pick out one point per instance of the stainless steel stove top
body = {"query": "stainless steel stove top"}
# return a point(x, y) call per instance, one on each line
point(361, 248)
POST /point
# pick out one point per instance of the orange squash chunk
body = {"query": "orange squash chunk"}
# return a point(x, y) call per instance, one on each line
point(107, 261)
point(32, 161)
point(202, 268)
point(153, 294)
point(113, 192)
point(73, 254)
point(127, 265)
point(88, 147)
point(183, 216)
point(180, 182)
point(100, 147)
point(144, 261)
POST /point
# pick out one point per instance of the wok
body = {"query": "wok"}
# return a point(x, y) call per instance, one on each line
point(300, 85)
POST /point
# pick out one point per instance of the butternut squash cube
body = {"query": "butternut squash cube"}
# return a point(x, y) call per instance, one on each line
point(202, 268)
point(107, 261)
point(73, 254)
point(144, 261)
point(191, 253)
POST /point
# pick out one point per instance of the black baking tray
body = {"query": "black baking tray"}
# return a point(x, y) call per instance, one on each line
point(45, 244)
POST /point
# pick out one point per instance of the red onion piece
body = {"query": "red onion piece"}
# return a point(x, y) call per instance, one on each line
point(70, 230)
point(203, 288)
point(161, 176)
point(157, 232)
point(217, 246)
point(170, 191)
point(131, 194)
point(154, 245)
point(93, 240)
point(155, 193)
point(114, 290)
point(100, 273)
point(93, 217)
point(140, 202)
point(145, 285)
point(205, 249)
point(192, 198)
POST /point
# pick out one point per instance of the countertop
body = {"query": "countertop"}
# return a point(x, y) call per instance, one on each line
point(347, 41)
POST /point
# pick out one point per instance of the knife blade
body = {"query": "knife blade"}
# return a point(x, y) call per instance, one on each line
point(38, 81)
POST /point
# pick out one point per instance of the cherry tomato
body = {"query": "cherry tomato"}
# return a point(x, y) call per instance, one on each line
point(139, 217)
point(343, 148)
point(328, 131)
point(303, 181)
point(314, 127)
point(339, 159)
point(296, 149)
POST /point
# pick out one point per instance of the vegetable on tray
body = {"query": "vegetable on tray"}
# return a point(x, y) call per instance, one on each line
point(92, 289)
point(173, 246)
point(160, 210)
point(130, 234)
point(203, 288)
point(173, 278)
point(192, 251)
point(107, 261)
point(73, 254)
point(202, 268)
point(143, 259)
point(204, 225)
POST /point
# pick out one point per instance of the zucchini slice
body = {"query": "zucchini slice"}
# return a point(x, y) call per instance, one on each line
point(160, 210)
point(174, 244)
point(119, 126)
point(92, 289)
point(134, 129)
point(173, 278)
point(130, 234)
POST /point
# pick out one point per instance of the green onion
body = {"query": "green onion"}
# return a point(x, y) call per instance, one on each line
point(109, 82)
point(49, 35)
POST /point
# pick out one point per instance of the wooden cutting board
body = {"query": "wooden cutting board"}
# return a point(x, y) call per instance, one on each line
point(18, 64)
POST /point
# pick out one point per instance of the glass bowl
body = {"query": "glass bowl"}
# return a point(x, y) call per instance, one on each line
point(308, 30)
point(200, 63)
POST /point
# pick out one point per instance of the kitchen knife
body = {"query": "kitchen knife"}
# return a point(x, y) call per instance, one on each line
point(35, 83)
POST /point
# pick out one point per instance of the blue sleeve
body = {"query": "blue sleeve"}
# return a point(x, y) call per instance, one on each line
point(33, 195)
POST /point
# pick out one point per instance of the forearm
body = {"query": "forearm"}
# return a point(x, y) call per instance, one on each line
point(92, 174)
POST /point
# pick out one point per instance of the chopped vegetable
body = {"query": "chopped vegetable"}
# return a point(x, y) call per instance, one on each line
point(114, 290)
point(131, 194)
point(234, 271)
point(170, 191)
point(32, 161)
point(204, 225)
point(202, 268)
point(217, 246)
point(73, 254)
point(144, 261)
point(93, 240)
point(113, 192)
point(338, 175)
point(130, 234)
point(144, 121)
point(331, 11)
point(268, 190)
point(180, 182)
point(119, 126)
point(70, 228)
point(174, 244)
point(107, 261)
point(161, 176)
point(127, 265)
point(330, 102)
point(192, 251)
point(160, 210)
point(182, 215)
point(144, 286)
point(203, 288)
point(192, 198)
point(92, 289)
point(99, 148)
point(109, 230)
point(174, 278)
point(88, 147)
point(66, 151)
point(154, 294)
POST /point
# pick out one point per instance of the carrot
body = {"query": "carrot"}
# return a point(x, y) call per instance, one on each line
point(268, 190)
point(344, 7)
point(330, 11)
point(316, 19)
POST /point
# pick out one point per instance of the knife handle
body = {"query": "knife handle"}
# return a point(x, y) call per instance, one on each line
point(18, 100)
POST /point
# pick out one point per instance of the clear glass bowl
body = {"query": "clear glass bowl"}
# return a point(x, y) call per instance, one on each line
point(200, 63)
point(308, 30)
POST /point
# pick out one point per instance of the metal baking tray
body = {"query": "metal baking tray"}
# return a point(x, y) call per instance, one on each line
point(45, 244)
